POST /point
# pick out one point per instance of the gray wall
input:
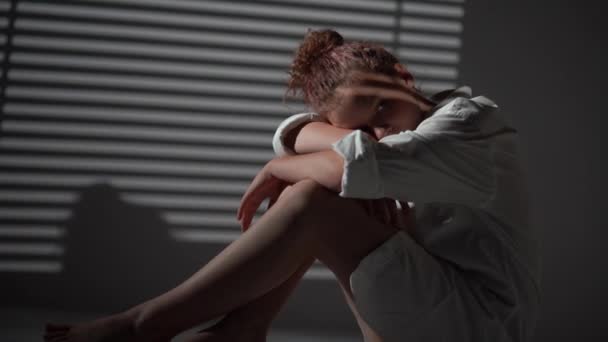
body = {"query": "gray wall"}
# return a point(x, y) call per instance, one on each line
point(542, 61)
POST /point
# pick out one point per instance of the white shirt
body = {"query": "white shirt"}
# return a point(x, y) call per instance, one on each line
point(461, 169)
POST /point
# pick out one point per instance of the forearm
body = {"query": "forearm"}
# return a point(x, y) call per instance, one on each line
point(325, 167)
point(314, 137)
point(317, 160)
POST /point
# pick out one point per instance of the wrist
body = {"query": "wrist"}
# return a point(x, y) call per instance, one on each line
point(270, 167)
point(280, 168)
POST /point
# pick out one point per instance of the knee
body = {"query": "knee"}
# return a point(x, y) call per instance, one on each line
point(306, 194)
point(285, 192)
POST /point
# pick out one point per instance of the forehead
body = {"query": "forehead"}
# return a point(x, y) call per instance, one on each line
point(353, 115)
point(351, 107)
point(358, 89)
point(347, 95)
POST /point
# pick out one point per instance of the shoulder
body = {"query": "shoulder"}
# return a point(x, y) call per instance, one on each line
point(289, 123)
point(459, 102)
point(459, 113)
point(297, 119)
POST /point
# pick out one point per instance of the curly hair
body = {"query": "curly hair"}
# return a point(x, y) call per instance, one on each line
point(324, 61)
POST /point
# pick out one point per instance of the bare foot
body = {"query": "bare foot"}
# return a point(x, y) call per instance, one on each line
point(218, 333)
point(115, 328)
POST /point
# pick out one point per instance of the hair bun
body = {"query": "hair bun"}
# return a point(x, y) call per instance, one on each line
point(314, 45)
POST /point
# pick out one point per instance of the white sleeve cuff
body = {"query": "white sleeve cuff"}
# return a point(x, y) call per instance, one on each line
point(293, 121)
point(361, 177)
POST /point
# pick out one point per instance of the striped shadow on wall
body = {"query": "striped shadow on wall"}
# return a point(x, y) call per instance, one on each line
point(171, 103)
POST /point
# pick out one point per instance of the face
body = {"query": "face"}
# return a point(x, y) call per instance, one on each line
point(378, 116)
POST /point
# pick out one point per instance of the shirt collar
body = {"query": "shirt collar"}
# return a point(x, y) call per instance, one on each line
point(497, 123)
point(445, 96)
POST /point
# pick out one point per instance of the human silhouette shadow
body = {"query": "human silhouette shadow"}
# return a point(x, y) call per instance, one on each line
point(116, 253)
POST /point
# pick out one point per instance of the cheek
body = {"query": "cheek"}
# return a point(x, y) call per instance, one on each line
point(406, 117)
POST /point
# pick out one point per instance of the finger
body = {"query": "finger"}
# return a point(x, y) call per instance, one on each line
point(407, 215)
point(393, 212)
point(252, 201)
point(386, 210)
point(245, 200)
point(399, 218)
point(261, 184)
point(247, 197)
point(249, 219)
point(386, 92)
point(239, 214)
point(375, 84)
point(382, 81)
point(405, 210)
point(243, 228)
point(245, 221)
point(251, 208)
point(364, 78)
point(273, 199)
point(246, 217)
point(244, 210)
point(240, 219)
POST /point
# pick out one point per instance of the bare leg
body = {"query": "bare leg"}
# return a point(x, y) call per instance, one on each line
point(369, 335)
point(292, 231)
point(251, 322)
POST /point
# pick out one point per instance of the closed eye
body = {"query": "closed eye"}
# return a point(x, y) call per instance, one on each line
point(382, 105)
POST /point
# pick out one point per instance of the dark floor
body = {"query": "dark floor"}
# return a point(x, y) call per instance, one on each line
point(27, 324)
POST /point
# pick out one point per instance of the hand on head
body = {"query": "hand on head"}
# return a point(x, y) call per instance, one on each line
point(356, 85)
point(379, 104)
point(365, 84)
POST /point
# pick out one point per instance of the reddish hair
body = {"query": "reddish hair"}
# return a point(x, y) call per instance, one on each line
point(324, 61)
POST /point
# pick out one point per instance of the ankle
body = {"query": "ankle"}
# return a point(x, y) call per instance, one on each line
point(129, 319)
point(142, 326)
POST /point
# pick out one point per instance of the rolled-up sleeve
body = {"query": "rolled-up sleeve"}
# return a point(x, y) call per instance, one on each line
point(291, 122)
point(361, 175)
point(419, 166)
